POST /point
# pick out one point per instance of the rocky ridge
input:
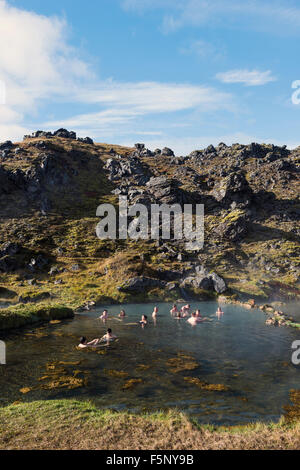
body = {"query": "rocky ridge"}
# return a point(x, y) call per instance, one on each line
point(52, 183)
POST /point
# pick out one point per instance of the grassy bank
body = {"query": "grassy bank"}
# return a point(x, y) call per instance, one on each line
point(69, 424)
point(25, 315)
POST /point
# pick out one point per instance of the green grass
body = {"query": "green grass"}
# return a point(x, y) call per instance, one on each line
point(23, 315)
point(71, 424)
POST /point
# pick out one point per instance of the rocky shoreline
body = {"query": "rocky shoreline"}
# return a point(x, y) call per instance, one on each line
point(275, 317)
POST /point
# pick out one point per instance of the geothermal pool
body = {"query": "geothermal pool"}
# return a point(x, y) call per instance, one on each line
point(167, 365)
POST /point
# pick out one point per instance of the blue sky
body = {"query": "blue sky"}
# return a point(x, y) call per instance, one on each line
point(181, 73)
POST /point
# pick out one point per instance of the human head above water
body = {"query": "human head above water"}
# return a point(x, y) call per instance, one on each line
point(109, 331)
point(82, 340)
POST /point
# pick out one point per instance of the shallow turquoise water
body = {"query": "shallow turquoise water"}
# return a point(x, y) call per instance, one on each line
point(238, 351)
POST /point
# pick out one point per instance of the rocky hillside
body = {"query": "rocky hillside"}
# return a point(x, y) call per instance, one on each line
point(51, 185)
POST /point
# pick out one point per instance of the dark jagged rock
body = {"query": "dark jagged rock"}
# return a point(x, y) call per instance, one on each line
point(142, 151)
point(200, 278)
point(8, 264)
point(139, 284)
point(130, 167)
point(234, 227)
point(37, 134)
point(65, 134)
point(86, 140)
point(6, 145)
point(166, 191)
point(166, 152)
point(139, 147)
point(38, 263)
point(46, 134)
point(10, 249)
point(233, 189)
point(210, 150)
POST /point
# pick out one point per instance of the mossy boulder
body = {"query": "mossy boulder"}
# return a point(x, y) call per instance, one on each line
point(22, 315)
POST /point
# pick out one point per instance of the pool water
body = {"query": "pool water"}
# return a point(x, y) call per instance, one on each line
point(152, 368)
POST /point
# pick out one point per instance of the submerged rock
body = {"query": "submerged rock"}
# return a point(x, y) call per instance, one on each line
point(205, 386)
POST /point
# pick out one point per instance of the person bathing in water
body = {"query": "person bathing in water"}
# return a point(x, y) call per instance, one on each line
point(108, 336)
point(144, 320)
point(196, 318)
point(122, 314)
point(193, 320)
point(155, 312)
point(198, 314)
point(83, 344)
point(219, 313)
point(185, 310)
point(104, 315)
point(174, 310)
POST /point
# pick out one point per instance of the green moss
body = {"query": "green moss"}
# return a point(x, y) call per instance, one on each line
point(22, 315)
point(233, 216)
point(132, 383)
point(120, 374)
point(292, 412)
point(181, 363)
point(205, 386)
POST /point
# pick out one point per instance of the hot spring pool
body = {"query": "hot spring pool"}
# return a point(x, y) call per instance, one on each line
point(167, 365)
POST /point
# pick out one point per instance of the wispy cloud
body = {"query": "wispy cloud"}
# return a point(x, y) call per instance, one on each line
point(125, 103)
point(262, 15)
point(247, 77)
point(39, 66)
point(202, 49)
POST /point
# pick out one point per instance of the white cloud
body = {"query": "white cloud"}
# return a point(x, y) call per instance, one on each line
point(203, 50)
point(263, 15)
point(36, 63)
point(247, 77)
point(155, 97)
point(126, 103)
point(39, 66)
